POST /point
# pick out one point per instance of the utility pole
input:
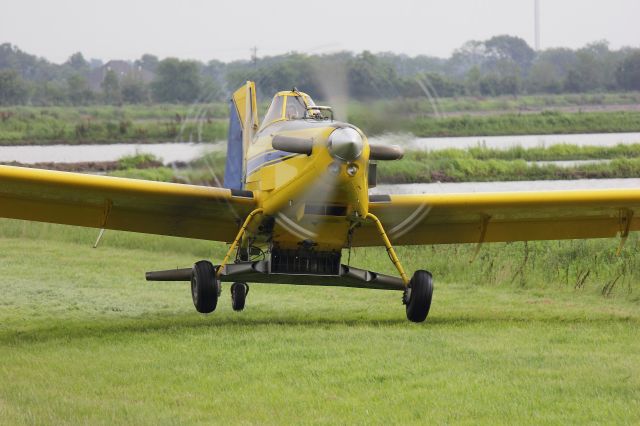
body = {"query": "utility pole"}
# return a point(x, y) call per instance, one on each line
point(254, 55)
point(537, 24)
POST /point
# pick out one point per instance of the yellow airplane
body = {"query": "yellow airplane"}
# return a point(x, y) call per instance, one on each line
point(296, 195)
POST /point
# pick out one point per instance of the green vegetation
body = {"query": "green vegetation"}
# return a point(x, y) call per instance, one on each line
point(479, 164)
point(384, 120)
point(557, 152)
point(83, 339)
point(483, 105)
point(208, 123)
point(514, 265)
point(520, 103)
point(160, 174)
point(482, 164)
point(461, 166)
point(105, 124)
point(547, 122)
point(501, 65)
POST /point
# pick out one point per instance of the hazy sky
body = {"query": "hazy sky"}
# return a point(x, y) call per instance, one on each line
point(199, 29)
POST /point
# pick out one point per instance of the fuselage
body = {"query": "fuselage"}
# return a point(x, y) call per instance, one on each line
point(310, 199)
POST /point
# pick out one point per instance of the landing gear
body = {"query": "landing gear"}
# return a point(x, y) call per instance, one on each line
point(417, 296)
point(239, 293)
point(205, 287)
point(419, 290)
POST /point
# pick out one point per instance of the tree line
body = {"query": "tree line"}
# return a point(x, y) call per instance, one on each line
point(502, 65)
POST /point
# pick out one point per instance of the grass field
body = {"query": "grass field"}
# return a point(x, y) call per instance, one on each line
point(111, 124)
point(83, 339)
point(540, 123)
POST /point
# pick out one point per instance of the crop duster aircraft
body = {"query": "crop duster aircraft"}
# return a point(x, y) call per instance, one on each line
point(296, 195)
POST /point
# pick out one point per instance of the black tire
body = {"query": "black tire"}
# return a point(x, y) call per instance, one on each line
point(420, 294)
point(204, 287)
point(238, 295)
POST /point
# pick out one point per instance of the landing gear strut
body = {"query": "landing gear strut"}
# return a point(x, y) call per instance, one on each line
point(419, 290)
point(239, 293)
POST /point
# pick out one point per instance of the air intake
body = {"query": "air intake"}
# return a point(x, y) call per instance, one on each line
point(325, 210)
point(304, 262)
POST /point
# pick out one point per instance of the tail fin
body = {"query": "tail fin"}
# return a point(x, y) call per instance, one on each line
point(243, 123)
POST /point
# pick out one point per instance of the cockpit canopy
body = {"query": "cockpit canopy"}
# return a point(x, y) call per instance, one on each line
point(290, 105)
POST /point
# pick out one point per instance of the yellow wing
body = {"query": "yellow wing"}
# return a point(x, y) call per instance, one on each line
point(123, 204)
point(494, 217)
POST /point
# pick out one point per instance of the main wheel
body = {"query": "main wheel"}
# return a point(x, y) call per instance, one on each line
point(418, 296)
point(239, 295)
point(204, 287)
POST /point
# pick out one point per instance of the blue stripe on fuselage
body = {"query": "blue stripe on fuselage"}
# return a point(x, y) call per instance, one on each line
point(258, 161)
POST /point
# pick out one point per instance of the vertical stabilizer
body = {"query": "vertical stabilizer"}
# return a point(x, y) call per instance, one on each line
point(243, 123)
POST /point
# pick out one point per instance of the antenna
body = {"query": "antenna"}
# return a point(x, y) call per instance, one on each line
point(254, 55)
point(537, 24)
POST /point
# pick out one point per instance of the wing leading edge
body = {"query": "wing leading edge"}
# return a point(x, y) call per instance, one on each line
point(502, 217)
point(122, 204)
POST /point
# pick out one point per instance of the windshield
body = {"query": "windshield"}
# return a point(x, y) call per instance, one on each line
point(274, 112)
point(295, 108)
point(287, 106)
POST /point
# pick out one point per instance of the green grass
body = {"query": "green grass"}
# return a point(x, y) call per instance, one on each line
point(482, 164)
point(110, 124)
point(547, 122)
point(523, 103)
point(416, 169)
point(559, 152)
point(478, 164)
point(422, 106)
point(83, 339)
point(208, 122)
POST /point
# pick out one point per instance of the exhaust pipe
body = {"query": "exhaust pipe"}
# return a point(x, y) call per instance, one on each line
point(385, 152)
point(170, 275)
point(292, 144)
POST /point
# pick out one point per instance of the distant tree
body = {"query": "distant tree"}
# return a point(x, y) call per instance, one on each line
point(176, 81)
point(471, 55)
point(210, 90)
point(594, 69)
point(499, 65)
point(511, 49)
point(628, 72)
point(472, 81)
point(550, 69)
point(237, 75)
point(148, 62)
point(573, 82)
point(29, 67)
point(7, 56)
point(408, 67)
point(111, 87)
point(542, 79)
point(443, 86)
point(13, 89)
point(77, 62)
point(78, 91)
point(583, 77)
point(370, 78)
point(49, 93)
point(133, 90)
point(214, 69)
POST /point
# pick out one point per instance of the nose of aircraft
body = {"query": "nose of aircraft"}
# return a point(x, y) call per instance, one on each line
point(345, 144)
